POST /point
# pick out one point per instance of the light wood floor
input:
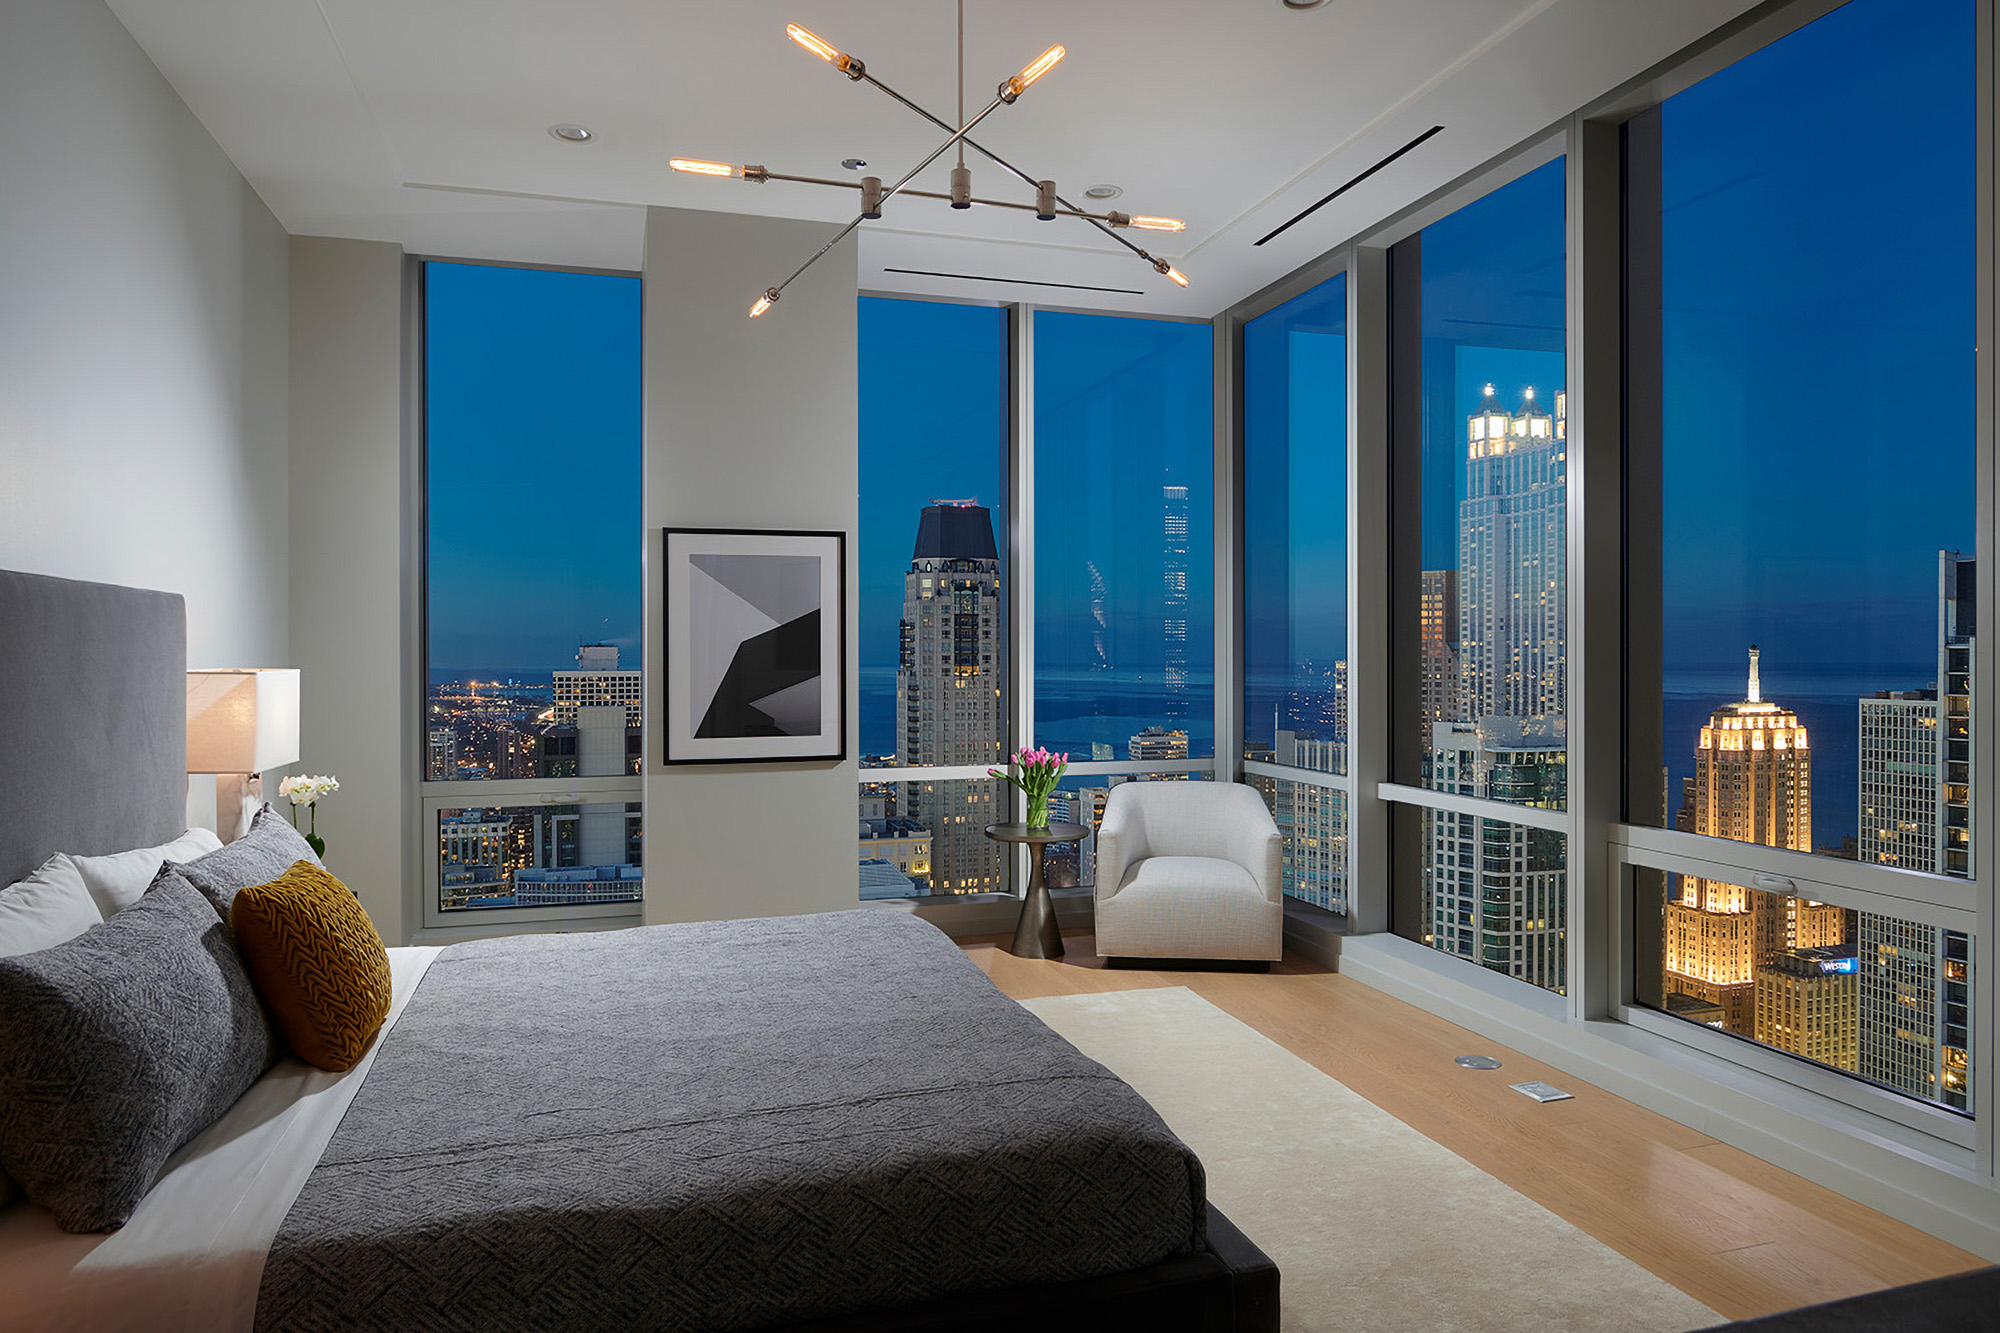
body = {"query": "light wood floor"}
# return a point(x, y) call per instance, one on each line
point(1734, 1232)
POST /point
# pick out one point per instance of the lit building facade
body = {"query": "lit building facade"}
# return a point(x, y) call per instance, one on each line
point(1752, 783)
point(1313, 820)
point(1175, 671)
point(1498, 890)
point(598, 680)
point(1437, 634)
point(950, 684)
point(1807, 1004)
point(1915, 787)
point(1157, 745)
point(1513, 527)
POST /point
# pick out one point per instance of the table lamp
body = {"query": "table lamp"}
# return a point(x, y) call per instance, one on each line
point(239, 723)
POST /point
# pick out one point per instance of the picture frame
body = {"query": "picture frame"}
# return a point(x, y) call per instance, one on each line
point(754, 626)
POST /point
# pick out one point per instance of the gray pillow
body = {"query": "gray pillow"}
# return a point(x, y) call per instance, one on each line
point(118, 1047)
point(267, 850)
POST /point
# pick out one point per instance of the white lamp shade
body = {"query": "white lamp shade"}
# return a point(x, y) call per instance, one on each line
point(242, 721)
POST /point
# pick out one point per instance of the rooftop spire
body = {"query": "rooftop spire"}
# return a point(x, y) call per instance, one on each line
point(1756, 693)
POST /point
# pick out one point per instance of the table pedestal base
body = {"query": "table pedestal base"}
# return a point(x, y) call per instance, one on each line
point(1036, 936)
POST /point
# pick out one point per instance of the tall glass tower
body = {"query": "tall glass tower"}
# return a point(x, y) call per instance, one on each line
point(950, 685)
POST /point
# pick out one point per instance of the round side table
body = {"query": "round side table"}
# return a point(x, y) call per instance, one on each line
point(1036, 936)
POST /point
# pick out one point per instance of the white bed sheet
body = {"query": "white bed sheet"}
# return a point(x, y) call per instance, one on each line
point(192, 1255)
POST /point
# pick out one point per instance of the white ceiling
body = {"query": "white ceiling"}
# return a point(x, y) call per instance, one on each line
point(425, 122)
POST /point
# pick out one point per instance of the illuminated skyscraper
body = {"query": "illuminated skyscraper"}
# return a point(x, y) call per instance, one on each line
point(1806, 1004)
point(1491, 634)
point(950, 679)
point(1498, 889)
point(1175, 673)
point(1513, 529)
point(1437, 633)
point(597, 680)
point(1313, 820)
point(1915, 767)
point(1752, 783)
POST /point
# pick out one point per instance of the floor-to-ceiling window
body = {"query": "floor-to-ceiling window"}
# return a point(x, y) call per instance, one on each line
point(1481, 440)
point(1802, 572)
point(1124, 556)
point(532, 578)
point(934, 560)
point(1294, 581)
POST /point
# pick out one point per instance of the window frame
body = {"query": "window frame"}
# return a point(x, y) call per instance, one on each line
point(434, 925)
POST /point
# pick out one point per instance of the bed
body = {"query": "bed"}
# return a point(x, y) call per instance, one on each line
point(825, 1123)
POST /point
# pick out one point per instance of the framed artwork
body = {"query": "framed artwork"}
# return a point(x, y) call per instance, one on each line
point(755, 631)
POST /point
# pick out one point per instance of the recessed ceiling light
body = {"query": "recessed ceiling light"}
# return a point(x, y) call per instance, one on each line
point(1102, 192)
point(853, 163)
point(571, 133)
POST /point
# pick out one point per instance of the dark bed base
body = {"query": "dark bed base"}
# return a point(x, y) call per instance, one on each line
point(1961, 1301)
point(1231, 1287)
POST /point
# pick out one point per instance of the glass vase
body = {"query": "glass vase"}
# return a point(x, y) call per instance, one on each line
point(1038, 811)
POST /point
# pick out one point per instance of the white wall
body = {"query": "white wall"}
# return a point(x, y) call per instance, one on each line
point(349, 515)
point(749, 424)
point(142, 338)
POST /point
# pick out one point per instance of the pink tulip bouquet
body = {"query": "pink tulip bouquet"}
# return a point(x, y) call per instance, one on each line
point(1036, 773)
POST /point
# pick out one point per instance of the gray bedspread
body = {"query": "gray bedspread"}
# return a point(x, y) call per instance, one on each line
point(719, 1126)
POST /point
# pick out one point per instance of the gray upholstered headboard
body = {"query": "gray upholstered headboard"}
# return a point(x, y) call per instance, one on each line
point(93, 719)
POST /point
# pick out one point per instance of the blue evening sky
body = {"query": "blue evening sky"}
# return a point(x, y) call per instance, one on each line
point(1818, 367)
point(532, 440)
point(1294, 502)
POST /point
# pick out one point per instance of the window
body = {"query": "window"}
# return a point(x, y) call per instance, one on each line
point(1124, 538)
point(1802, 456)
point(532, 590)
point(933, 605)
point(1481, 434)
point(1294, 547)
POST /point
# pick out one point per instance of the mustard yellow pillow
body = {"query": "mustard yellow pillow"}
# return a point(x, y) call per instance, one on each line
point(317, 963)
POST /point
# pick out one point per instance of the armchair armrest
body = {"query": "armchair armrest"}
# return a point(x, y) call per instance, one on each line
point(1254, 843)
point(1121, 840)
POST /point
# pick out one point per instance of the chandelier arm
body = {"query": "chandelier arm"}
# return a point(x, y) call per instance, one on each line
point(933, 194)
point(1000, 161)
point(941, 149)
point(887, 194)
point(820, 253)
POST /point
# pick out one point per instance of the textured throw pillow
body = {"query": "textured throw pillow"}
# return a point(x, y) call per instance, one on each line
point(317, 961)
point(117, 1048)
point(265, 851)
point(117, 880)
point(50, 907)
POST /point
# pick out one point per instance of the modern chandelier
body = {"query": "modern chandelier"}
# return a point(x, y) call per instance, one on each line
point(1048, 204)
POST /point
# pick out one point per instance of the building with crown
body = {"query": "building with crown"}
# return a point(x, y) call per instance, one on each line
point(1513, 527)
point(950, 690)
point(1491, 635)
point(1752, 783)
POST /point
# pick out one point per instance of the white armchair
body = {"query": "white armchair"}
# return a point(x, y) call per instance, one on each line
point(1189, 870)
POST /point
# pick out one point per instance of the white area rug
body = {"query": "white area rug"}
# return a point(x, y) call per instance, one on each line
point(1372, 1225)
